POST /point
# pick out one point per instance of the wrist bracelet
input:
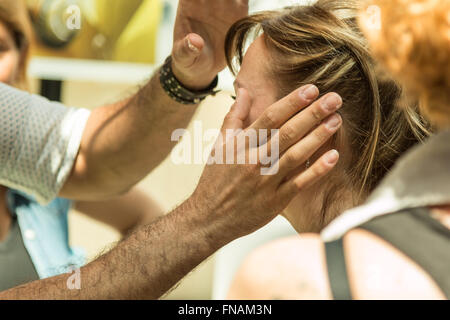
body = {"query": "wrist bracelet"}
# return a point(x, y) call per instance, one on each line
point(180, 93)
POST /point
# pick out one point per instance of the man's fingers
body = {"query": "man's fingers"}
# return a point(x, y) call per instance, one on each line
point(239, 112)
point(307, 178)
point(187, 50)
point(302, 123)
point(299, 153)
point(277, 114)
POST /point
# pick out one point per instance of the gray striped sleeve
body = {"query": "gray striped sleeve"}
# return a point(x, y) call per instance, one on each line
point(39, 141)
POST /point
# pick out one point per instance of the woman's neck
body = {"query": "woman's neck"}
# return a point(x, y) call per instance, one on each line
point(442, 214)
point(313, 210)
point(5, 215)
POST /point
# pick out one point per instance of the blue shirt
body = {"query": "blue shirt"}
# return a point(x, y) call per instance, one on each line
point(45, 233)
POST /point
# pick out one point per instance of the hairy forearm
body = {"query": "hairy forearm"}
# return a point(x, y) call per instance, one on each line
point(143, 266)
point(123, 142)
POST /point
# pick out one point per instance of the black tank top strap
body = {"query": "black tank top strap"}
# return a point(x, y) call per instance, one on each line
point(414, 232)
point(337, 270)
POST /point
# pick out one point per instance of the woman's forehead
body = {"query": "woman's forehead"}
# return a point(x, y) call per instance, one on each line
point(255, 64)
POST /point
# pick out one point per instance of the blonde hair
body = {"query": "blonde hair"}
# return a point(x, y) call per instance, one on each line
point(322, 44)
point(14, 15)
point(411, 38)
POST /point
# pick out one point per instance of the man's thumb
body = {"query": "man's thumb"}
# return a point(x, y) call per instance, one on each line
point(188, 49)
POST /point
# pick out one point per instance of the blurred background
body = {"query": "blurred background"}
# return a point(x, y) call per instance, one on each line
point(91, 52)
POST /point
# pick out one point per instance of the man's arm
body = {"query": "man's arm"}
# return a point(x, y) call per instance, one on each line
point(144, 266)
point(123, 142)
point(224, 207)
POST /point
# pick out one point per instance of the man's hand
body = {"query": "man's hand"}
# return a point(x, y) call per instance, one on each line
point(239, 198)
point(125, 141)
point(199, 36)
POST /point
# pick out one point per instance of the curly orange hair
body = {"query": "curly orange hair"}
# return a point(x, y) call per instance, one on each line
point(412, 39)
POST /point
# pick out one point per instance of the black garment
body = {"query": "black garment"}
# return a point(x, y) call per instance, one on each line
point(16, 267)
point(414, 232)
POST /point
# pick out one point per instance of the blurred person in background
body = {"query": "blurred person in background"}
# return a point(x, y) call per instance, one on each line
point(34, 238)
point(396, 245)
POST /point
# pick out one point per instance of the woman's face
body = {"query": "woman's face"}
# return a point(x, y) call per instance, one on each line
point(254, 77)
point(9, 56)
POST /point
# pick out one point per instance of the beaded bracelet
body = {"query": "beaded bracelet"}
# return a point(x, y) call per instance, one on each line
point(178, 92)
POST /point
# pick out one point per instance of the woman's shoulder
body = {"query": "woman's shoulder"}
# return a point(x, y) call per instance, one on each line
point(280, 270)
point(377, 269)
point(296, 268)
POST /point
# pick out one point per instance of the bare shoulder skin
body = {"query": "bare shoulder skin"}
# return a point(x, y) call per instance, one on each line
point(379, 271)
point(295, 268)
point(290, 268)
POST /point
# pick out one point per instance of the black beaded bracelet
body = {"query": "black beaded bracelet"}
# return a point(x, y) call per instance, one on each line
point(178, 92)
